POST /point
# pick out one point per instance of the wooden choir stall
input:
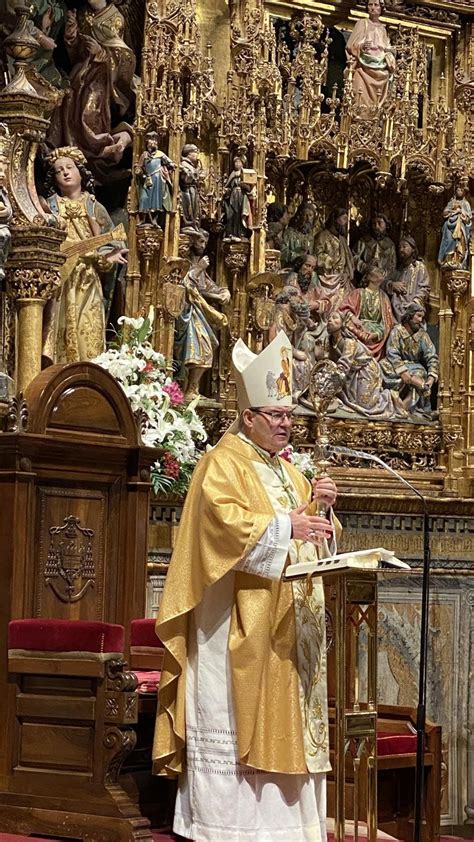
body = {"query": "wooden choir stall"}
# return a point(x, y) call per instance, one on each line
point(74, 485)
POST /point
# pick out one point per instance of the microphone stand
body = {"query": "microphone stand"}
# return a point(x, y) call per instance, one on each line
point(425, 600)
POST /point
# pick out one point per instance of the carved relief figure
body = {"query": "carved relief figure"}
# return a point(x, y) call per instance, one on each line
point(282, 318)
point(307, 345)
point(102, 86)
point(195, 339)
point(310, 291)
point(237, 204)
point(363, 391)
point(411, 365)
point(371, 318)
point(369, 46)
point(307, 337)
point(412, 284)
point(277, 223)
point(154, 170)
point(377, 249)
point(75, 320)
point(189, 177)
point(298, 239)
point(457, 229)
point(334, 261)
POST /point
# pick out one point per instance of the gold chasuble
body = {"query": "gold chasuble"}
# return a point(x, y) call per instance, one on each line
point(277, 630)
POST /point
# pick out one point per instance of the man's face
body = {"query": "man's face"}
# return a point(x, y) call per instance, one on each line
point(459, 192)
point(193, 157)
point(406, 250)
point(334, 323)
point(199, 246)
point(308, 267)
point(374, 8)
point(417, 320)
point(270, 433)
point(341, 224)
point(151, 144)
point(307, 220)
point(379, 227)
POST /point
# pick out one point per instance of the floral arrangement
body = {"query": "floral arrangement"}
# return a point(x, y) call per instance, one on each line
point(167, 422)
point(301, 460)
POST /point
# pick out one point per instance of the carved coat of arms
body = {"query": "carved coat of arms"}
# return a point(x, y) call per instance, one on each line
point(174, 298)
point(70, 569)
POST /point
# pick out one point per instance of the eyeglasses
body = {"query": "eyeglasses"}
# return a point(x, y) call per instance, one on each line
point(275, 417)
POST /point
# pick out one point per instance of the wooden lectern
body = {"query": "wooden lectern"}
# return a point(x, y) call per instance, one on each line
point(353, 580)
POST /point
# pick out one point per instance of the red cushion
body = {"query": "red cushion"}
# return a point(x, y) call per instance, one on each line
point(65, 636)
point(148, 680)
point(142, 633)
point(395, 743)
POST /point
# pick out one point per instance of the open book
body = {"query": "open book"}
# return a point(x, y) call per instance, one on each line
point(377, 559)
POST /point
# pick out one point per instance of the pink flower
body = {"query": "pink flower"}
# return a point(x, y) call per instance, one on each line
point(174, 392)
point(286, 453)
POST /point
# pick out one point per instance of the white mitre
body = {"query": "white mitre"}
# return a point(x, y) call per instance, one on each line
point(264, 379)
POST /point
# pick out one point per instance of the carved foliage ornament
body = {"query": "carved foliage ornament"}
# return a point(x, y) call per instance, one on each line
point(16, 420)
point(33, 283)
point(237, 255)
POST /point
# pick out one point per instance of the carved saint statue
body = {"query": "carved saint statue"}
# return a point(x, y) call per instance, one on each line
point(411, 365)
point(363, 391)
point(334, 261)
point(298, 237)
point(377, 249)
point(237, 204)
point(412, 283)
point(371, 318)
point(75, 320)
point(154, 170)
point(310, 291)
point(195, 340)
point(91, 115)
point(457, 229)
point(189, 178)
point(369, 47)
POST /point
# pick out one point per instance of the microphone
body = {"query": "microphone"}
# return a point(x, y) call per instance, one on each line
point(425, 600)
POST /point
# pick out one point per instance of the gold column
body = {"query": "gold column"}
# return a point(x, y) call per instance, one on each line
point(30, 327)
point(32, 278)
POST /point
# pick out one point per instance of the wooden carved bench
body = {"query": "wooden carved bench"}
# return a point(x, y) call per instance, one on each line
point(75, 708)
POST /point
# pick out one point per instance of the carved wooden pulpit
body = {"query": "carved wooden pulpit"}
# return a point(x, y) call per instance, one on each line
point(74, 491)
